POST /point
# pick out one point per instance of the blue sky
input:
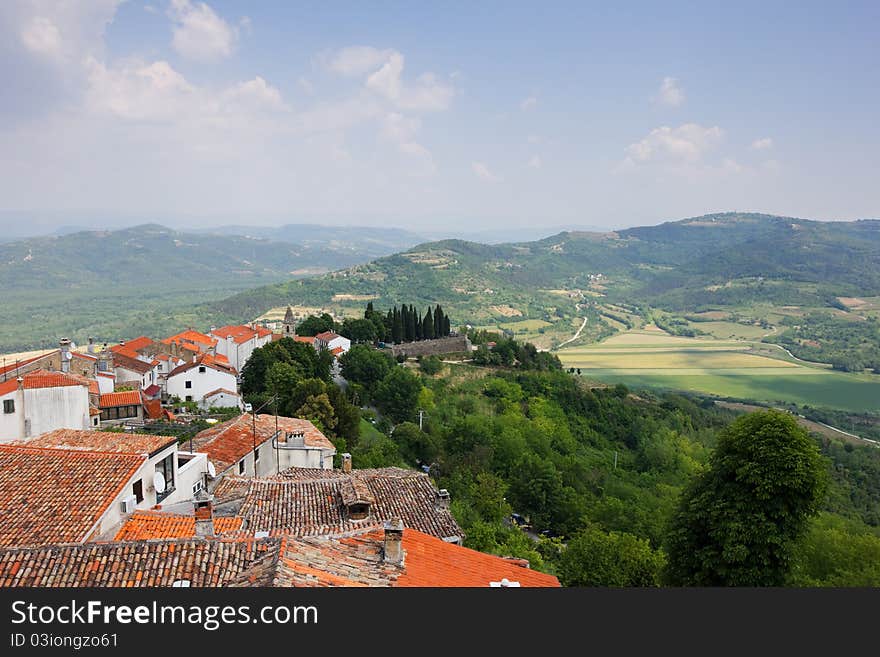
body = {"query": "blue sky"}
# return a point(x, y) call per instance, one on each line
point(474, 115)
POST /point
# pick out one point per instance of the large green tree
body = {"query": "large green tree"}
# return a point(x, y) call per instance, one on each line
point(737, 523)
point(597, 558)
point(364, 365)
point(398, 394)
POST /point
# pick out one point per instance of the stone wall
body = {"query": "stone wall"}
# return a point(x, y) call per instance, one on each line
point(453, 345)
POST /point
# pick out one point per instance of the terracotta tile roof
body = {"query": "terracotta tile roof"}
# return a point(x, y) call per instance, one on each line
point(131, 364)
point(82, 356)
point(138, 563)
point(228, 442)
point(191, 347)
point(145, 525)
point(239, 333)
point(44, 379)
point(305, 503)
point(55, 495)
point(94, 389)
point(220, 391)
point(220, 358)
point(124, 350)
point(22, 363)
point(337, 350)
point(310, 339)
point(357, 560)
point(208, 361)
point(152, 390)
point(103, 442)
point(263, 332)
point(94, 411)
point(327, 336)
point(191, 336)
point(109, 375)
point(153, 409)
point(137, 343)
point(123, 398)
point(432, 562)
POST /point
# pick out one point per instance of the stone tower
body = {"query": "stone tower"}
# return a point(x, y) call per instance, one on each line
point(289, 327)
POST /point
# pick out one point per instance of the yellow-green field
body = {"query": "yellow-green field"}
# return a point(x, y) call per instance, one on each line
point(725, 330)
point(725, 368)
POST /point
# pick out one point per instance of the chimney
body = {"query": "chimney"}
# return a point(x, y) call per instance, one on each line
point(442, 500)
point(346, 462)
point(91, 348)
point(22, 422)
point(393, 542)
point(297, 438)
point(65, 354)
point(203, 509)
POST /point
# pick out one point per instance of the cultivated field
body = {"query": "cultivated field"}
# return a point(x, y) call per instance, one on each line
point(725, 368)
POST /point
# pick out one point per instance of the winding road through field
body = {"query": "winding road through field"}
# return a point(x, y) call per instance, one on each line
point(575, 336)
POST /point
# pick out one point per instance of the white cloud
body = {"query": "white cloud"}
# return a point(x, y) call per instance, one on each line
point(199, 33)
point(481, 170)
point(535, 162)
point(246, 25)
point(384, 71)
point(306, 86)
point(762, 144)
point(358, 60)
point(150, 9)
point(528, 103)
point(402, 130)
point(671, 94)
point(41, 36)
point(256, 94)
point(139, 91)
point(427, 93)
point(731, 166)
point(687, 143)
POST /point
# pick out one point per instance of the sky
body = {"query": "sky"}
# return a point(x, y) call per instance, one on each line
point(424, 115)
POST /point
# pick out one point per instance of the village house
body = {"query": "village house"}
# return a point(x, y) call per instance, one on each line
point(121, 407)
point(41, 401)
point(386, 555)
point(134, 372)
point(260, 445)
point(332, 342)
point(309, 502)
point(205, 374)
point(238, 342)
point(186, 344)
point(63, 359)
point(70, 486)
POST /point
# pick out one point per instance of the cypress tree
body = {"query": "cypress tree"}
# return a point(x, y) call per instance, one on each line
point(420, 329)
point(438, 321)
point(447, 328)
point(411, 324)
point(428, 328)
point(397, 327)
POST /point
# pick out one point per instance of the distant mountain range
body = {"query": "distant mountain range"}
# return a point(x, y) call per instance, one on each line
point(116, 284)
point(719, 259)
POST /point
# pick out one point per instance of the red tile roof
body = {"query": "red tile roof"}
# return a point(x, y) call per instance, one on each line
point(94, 389)
point(136, 343)
point(145, 525)
point(22, 363)
point(138, 563)
point(132, 364)
point(57, 496)
point(311, 501)
point(208, 361)
point(327, 336)
point(220, 391)
point(228, 442)
point(238, 333)
point(123, 398)
point(191, 336)
point(357, 560)
point(44, 379)
point(430, 561)
point(103, 442)
point(310, 339)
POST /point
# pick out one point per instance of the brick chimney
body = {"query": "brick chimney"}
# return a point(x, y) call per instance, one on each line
point(442, 499)
point(346, 462)
point(393, 542)
point(64, 345)
point(203, 508)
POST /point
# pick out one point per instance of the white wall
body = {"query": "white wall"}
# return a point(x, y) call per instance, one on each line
point(202, 382)
point(221, 400)
point(238, 354)
point(105, 384)
point(47, 409)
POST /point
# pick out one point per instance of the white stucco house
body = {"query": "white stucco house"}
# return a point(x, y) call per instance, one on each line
point(332, 342)
point(42, 401)
point(193, 381)
point(238, 342)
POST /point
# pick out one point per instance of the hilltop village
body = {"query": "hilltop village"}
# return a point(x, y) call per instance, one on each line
point(89, 498)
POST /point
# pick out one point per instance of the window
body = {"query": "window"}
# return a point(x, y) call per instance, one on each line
point(257, 455)
point(166, 467)
point(137, 489)
point(189, 398)
point(9, 406)
point(197, 487)
point(188, 384)
point(95, 421)
point(202, 369)
point(241, 467)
